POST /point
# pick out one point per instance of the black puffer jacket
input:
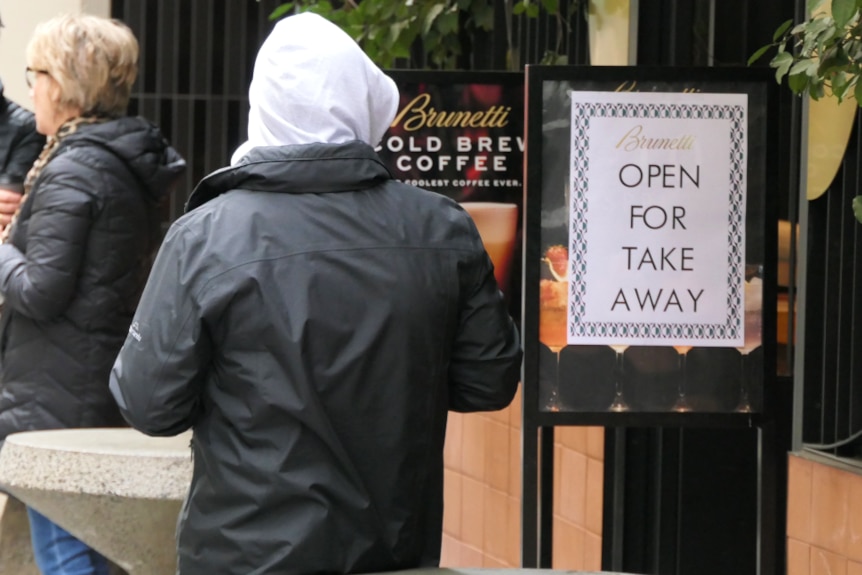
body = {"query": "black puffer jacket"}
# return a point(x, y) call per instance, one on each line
point(314, 320)
point(20, 143)
point(73, 271)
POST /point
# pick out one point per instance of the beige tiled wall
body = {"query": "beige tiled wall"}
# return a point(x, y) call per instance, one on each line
point(579, 468)
point(481, 522)
point(824, 519)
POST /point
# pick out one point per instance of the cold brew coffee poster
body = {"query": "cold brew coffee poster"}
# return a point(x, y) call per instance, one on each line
point(462, 135)
point(646, 242)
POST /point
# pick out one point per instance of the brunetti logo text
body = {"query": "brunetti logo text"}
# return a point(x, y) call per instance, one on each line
point(420, 114)
point(632, 86)
point(427, 150)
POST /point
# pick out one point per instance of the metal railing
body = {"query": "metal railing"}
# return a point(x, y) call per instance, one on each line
point(830, 380)
point(196, 63)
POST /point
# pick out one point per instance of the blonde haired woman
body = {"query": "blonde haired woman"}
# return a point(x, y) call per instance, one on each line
point(76, 256)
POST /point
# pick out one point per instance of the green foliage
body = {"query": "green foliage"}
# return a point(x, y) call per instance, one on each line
point(821, 56)
point(387, 30)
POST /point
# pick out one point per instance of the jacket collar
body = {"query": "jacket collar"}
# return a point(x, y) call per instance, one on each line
point(296, 169)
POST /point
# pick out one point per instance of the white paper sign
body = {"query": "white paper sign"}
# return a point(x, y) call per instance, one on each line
point(657, 218)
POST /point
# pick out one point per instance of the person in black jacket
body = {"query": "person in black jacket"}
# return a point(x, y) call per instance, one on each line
point(76, 256)
point(313, 319)
point(20, 145)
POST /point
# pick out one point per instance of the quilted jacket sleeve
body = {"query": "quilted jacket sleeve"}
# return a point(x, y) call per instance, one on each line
point(41, 283)
point(156, 379)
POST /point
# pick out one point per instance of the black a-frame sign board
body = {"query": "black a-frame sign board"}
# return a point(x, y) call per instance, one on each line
point(650, 242)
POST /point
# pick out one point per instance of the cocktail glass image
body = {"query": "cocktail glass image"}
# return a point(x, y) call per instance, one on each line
point(553, 299)
point(619, 403)
point(553, 304)
point(753, 328)
point(681, 404)
point(498, 225)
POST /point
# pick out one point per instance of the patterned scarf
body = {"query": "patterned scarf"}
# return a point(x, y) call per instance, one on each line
point(51, 145)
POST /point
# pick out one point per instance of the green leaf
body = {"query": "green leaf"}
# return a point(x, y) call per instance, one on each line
point(857, 92)
point(548, 58)
point(826, 36)
point(857, 207)
point(533, 11)
point(816, 88)
point(779, 32)
point(399, 51)
point(551, 6)
point(839, 83)
point(395, 32)
point(843, 11)
point(281, 11)
point(435, 11)
point(483, 16)
point(781, 59)
point(839, 90)
point(797, 83)
point(812, 33)
point(760, 52)
point(372, 9)
point(353, 19)
point(799, 28)
point(448, 22)
point(807, 66)
point(832, 61)
point(781, 62)
point(819, 24)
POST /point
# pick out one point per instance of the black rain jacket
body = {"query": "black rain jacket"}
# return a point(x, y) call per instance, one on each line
point(73, 271)
point(313, 320)
point(20, 143)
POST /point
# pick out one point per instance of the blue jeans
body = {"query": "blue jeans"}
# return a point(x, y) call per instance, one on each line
point(59, 553)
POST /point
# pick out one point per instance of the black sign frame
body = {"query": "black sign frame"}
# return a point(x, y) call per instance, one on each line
point(669, 79)
point(538, 424)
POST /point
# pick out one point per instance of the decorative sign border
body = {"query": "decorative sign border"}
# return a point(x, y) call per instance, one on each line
point(704, 332)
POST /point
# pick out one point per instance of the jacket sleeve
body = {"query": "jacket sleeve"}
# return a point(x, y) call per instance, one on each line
point(156, 378)
point(41, 283)
point(486, 358)
point(24, 152)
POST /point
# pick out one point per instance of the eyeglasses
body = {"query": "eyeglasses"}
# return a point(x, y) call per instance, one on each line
point(31, 74)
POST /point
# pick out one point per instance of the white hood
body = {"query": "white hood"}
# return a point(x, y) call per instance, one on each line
point(313, 84)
